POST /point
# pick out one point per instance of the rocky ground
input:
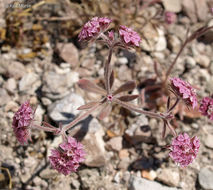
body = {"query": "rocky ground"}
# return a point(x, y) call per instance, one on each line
point(125, 150)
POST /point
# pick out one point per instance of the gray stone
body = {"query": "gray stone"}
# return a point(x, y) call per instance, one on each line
point(91, 133)
point(205, 178)
point(10, 85)
point(202, 9)
point(48, 173)
point(39, 114)
point(46, 101)
point(1, 80)
point(16, 70)
point(115, 143)
point(209, 141)
point(58, 85)
point(174, 43)
point(190, 9)
point(29, 83)
point(4, 97)
point(92, 179)
point(169, 176)
point(161, 42)
point(39, 182)
point(62, 183)
point(124, 163)
point(64, 110)
point(211, 67)
point(137, 183)
point(11, 106)
point(123, 60)
point(151, 35)
point(190, 63)
point(124, 69)
point(6, 152)
point(172, 6)
point(89, 177)
point(140, 130)
point(69, 53)
point(202, 60)
point(209, 86)
point(75, 183)
point(30, 164)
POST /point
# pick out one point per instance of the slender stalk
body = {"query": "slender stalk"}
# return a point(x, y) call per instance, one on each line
point(173, 63)
point(195, 35)
point(137, 109)
point(176, 102)
point(44, 128)
point(80, 118)
point(107, 70)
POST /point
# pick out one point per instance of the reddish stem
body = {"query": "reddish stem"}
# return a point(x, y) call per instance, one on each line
point(139, 110)
point(44, 128)
point(79, 118)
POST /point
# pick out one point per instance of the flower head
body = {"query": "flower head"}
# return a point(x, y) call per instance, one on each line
point(206, 107)
point(184, 91)
point(93, 28)
point(21, 122)
point(129, 36)
point(184, 149)
point(67, 157)
point(170, 17)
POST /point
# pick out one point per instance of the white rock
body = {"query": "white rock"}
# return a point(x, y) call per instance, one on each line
point(161, 41)
point(189, 62)
point(29, 83)
point(57, 85)
point(203, 60)
point(69, 53)
point(10, 85)
point(169, 177)
point(115, 143)
point(123, 60)
point(137, 183)
point(208, 141)
point(205, 178)
point(65, 110)
point(91, 133)
point(174, 43)
point(39, 114)
point(173, 6)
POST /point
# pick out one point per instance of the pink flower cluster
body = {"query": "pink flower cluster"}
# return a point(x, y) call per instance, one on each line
point(129, 36)
point(184, 91)
point(67, 157)
point(21, 122)
point(93, 28)
point(206, 107)
point(170, 17)
point(184, 150)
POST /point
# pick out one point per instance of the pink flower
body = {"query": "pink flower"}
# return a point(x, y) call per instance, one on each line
point(93, 28)
point(67, 157)
point(129, 36)
point(170, 17)
point(206, 107)
point(184, 150)
point(21, 122)
point(184, 91)
point(111, 35)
